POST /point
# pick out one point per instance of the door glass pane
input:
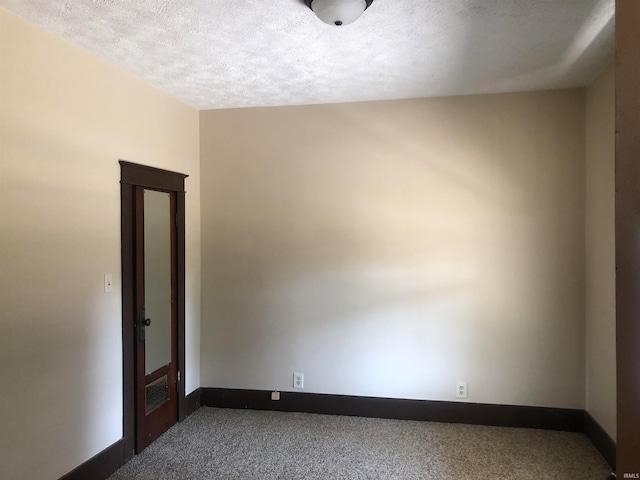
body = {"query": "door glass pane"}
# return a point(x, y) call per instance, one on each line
point(157, 279)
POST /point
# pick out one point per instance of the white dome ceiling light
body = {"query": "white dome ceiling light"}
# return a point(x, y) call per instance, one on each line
point(338, 12)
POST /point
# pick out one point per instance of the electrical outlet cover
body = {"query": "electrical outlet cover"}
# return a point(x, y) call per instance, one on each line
point(461, 390)
point(298, 380)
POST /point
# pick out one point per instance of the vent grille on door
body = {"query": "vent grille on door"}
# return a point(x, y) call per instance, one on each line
point(157, 393)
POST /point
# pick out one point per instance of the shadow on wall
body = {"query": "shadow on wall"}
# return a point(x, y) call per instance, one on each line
point(59, 334)
point(366, 254)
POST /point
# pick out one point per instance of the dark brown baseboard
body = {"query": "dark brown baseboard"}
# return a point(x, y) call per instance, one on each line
point(601, 439)
point(192, 402)
point(112, 458)
point(563, 419)
point(100, 466)
point(402, 409)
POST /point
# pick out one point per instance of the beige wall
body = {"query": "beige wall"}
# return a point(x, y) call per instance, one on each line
point(394, 248)
point(65, 120)
point(600, 252)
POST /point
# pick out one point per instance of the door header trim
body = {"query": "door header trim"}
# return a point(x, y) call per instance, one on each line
point(145, 176)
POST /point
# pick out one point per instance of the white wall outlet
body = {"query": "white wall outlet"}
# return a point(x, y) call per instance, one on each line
point(275, 395)
point(461, 390)
point(108, 283)
point(298, 380)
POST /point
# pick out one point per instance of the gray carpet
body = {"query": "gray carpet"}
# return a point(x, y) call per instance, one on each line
point(253, 445)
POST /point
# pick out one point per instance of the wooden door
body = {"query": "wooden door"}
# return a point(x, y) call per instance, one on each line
point(153, 388)
point(628, 236)
point(156, 323)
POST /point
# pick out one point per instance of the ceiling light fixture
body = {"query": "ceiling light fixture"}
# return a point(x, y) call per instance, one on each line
point(338, 12)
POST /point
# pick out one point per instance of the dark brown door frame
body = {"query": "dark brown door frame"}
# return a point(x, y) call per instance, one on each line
point(628, 236)
point(163, 417)
point(133, 175)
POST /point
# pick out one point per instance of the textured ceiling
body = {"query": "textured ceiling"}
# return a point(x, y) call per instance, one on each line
point(245, 53)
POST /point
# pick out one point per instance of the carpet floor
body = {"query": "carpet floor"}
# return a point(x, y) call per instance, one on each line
point(255, 445)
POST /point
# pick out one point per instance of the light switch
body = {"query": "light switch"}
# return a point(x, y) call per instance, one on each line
point(108, 283)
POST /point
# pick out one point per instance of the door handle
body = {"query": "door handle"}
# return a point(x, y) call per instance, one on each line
point(142, 323)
